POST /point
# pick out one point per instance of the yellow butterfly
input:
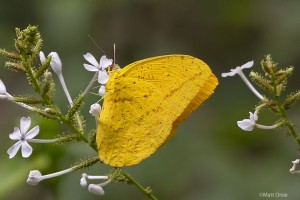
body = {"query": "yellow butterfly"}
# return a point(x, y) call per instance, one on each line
point(145, 102)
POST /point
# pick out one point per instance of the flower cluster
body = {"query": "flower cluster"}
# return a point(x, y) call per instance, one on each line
point(249, 124)
point(28, 46)
point(94, 188)
point(274, 81)
point(22, 134)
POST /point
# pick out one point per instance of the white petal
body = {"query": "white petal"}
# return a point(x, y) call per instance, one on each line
point(103, 77)
point(96, 189)
point(105, 62)
point(25, 124)
point(246, 124)
point(42, 57)
point(91, 59)
point(12, 151)
point(247, 65)
point(296, 161)
point(32, 133)
point(232, 73)
point(102, 90)
point(253, 117)
point(90, 68)
point(55, 63)
point(26, 149)
point(16, 135)
point(2, 88)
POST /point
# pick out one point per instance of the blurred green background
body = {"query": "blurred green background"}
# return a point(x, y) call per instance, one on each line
point(210, 157)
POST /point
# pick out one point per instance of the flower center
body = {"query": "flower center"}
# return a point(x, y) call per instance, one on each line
point(22, 138)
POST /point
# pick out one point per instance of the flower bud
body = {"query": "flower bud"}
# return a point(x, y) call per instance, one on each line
point(96, 189)
point(55, 63)
point(34, 177)
point(102, 90)
point(268, 65)
point(95, 109)
point(42, 57)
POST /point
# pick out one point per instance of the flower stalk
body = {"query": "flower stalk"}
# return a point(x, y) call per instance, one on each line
point(147, 191)
point(90, 85)
point(35, 176)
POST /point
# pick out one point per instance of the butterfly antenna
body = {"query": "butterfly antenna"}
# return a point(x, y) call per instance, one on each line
point(114, 54)
point(97, 46)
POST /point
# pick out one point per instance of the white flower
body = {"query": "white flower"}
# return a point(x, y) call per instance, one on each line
point(293, 169)
point(96, 189)
point(238, 69)
point(100, 67)
point(102, 90)
point(22, 135)
point(248, 124)
point(34, 177)
point(55, 63)
point(95, 110)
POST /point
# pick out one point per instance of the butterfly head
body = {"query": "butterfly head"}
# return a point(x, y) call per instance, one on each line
point(113, 68)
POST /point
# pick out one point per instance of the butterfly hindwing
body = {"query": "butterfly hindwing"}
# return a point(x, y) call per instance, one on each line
point(144, 103)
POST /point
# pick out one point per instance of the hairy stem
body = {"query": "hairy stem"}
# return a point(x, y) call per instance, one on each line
point(146, 191)
point(282, 112)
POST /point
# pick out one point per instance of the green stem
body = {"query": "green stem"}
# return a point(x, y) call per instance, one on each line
point(30, 73)
point(79, 122)
point(72, 127)
point(69, 98)
point(146, 191)
point(283, 113)
point(33, 79)
point(86, 163)
point(289, 125)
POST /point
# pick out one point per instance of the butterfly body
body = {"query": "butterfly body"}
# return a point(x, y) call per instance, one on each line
point(145, 102)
